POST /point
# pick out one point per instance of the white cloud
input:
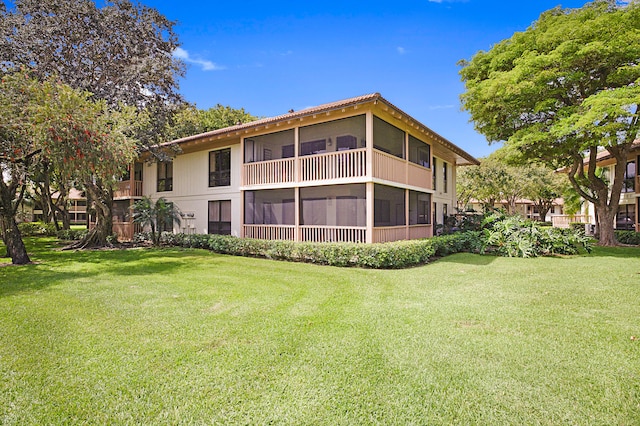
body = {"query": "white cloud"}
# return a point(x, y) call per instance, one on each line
point(434, 107)
point(401, 50)
point(181, 53)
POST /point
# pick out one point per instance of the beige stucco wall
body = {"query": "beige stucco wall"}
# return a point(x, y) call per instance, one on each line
point(191, 192)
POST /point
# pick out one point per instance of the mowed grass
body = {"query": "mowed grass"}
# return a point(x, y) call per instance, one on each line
point(189, 337)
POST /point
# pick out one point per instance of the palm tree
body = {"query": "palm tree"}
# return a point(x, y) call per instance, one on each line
point(155, 215)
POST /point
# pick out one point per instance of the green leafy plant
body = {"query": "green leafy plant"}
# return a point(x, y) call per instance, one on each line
point(155, 214)
point(514, 236)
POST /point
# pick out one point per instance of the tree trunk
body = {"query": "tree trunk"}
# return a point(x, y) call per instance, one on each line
point(2, 232)
point(103, 203)
point(13, 240)
point(606, 219)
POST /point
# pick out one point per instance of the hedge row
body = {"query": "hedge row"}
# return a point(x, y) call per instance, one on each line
point(395, 255)
point(628, 237)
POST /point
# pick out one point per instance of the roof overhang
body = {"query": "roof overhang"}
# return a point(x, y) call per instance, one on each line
point(371, 101)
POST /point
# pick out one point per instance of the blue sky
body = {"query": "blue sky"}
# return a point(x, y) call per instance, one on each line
point(272, 56)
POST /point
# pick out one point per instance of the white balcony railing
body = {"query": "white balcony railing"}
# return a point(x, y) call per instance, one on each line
point(270, 232)
point(269, 172)
point(389, 233)
point(128, 188)
point(563, 221)
point(419, 176)
point(333, 165)
point(419, 231)
point(389, 167)
point(342, 234)
point(338, 165)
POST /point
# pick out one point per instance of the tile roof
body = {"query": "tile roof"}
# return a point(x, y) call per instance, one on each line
point(606, 155)
point(372, 97)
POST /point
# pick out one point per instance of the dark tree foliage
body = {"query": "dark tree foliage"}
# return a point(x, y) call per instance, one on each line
point(192, 121)
point(121, 52)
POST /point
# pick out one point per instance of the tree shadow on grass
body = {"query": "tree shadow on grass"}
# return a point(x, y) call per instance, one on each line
point(632, 252)
point(53, 268)
point(468, 259)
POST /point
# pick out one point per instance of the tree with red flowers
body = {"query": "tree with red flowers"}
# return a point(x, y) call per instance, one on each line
point(49, 122)
point(120, 51)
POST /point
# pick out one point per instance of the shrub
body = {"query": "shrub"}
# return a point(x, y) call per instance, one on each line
point(470, 241)
point(514, 236)
point(578, 226)
point(28, 229)
point(628, 237)
point(520, 240)
point(398, 254)
point(72, 234)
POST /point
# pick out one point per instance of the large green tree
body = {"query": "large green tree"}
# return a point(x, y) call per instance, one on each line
point(562, 91)
point(122, 53)
point(50, 122)
point(490, 183)
point(192, 121)
point(543, 186)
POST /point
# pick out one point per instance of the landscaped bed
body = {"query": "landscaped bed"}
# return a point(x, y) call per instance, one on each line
point(171, 336)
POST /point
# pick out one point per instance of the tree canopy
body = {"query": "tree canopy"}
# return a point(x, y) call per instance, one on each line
point(192, 121)
point(562, 91)
point(50, 122)
point(120, 53)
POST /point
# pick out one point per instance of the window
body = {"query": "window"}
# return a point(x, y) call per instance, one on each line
point(347, 210)
point(419, 152)
point(346, 142)
point(165, 177)
point(435, 174)
point(388, 138)
point(444, 177)
point(288, 151)
point(388, 206)
point(313, 147)
point(220, 167)
point(435, 213)
point(163, 225)
point(313, 211)
point(271, 146)
point(629, 184)
point(335, 135)
point(445, 212)
point(137, 171)
point(626, 217)
point(220, 217)
point(419, 208)
point(269, 207)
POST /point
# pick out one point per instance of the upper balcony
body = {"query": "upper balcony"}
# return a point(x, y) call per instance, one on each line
point(336, 167)
point(130, 185)
point(128, 189)
point(337, 152)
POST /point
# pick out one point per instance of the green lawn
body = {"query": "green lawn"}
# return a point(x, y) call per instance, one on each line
point(190, 337)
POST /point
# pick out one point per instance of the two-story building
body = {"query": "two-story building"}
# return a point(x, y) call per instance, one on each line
point(627, 217)
point(358, 170)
